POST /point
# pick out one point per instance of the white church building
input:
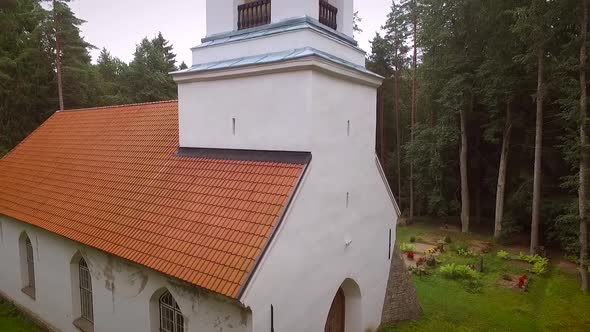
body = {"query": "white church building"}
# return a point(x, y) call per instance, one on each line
point(255, 202)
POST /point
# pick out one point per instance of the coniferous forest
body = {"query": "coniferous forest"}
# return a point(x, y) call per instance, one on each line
point(485, 105)
point(486, 116)
point(39, 36)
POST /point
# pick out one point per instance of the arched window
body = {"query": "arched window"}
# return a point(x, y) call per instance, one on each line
point(171, 319)
point(27, 265)
point(86, 308)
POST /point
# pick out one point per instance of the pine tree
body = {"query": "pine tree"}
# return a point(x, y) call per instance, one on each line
point(148, 78)
point(584, 153)
point(397, 28)
point(533, 25)
point(111, 73)
point(26, 74)
point(501, 82)
point(76, 78)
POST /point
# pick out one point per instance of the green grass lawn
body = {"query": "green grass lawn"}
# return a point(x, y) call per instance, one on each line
point(12, 321)
point(553, 302)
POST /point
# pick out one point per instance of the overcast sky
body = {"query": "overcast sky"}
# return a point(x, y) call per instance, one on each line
point(119, 25)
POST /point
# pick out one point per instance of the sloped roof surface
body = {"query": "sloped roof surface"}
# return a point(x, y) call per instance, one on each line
point(272, 58)
point(111, 178)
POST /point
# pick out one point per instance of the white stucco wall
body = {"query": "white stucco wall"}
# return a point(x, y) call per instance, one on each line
point(271, 112)
point(122, 290)
point(222, 15)
point(309, 258)
point(277, 43)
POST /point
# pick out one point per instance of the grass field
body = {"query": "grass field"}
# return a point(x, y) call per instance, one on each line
point(12, 321)
point(552, 303)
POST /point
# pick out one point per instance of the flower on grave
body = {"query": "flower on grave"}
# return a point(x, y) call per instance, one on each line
point(410, 255)
point(432, 250)
point(420, 261)
point(521, 281)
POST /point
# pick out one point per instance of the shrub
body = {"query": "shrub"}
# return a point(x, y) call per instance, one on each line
point(412, 239)
point(418, 271)
point(458, 272)
point(540, 263)
point(405, 247)
point(541, 266)
point(463, 250)
point(473, 285)
point(431, 261)
point(503, 254)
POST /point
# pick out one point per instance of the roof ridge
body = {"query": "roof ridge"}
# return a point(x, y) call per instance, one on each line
point(119, 106)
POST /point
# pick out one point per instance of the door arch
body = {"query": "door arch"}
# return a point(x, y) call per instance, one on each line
point(345, 311)
point(337, 313)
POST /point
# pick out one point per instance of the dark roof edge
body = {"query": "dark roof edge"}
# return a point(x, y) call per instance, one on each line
point(287, 157)
point(273, 234)
point(288, 22)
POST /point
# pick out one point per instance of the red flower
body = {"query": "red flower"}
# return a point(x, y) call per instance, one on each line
point(521, 281)
point(421, 261)
point(410, 255)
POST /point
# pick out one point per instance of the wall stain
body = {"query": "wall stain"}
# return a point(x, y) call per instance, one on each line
point(138, 276)
point(37, 246)
point(109, 275)
point(219, 322)
point(244, 313)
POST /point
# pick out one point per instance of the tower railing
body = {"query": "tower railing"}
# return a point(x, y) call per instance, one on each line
point(254, 14)
point(328, 14)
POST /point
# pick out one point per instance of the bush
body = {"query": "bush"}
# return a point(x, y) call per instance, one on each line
point(540, 264)
point(412, 239)
point(463, 250)
point(458, 272)
point(405, 247)
point(503, 254)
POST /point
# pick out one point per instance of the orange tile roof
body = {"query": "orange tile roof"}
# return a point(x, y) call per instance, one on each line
point(111, 178)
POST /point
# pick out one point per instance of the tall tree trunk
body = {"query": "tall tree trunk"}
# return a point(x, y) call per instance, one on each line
point(398, 136)
point(58, 57)
point(538, 154)
point(414, 106)
point(501, 188)
point(584, 158)
point(465, 213)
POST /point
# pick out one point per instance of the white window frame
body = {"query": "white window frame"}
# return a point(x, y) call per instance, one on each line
point(171, 317)
point(85, 285)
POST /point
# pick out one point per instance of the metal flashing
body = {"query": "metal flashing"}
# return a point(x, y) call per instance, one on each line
point(289, 157)
point(274, 28)
point(268, 58)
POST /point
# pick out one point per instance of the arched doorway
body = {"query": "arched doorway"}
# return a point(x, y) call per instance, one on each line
point(345, 311)
point(337, 314)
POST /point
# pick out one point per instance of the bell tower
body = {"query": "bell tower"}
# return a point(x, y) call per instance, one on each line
point(226, 15)
point(276, 75)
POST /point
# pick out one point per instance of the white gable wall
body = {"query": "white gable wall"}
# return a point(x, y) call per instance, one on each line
point(122, 290)
point(309, 259)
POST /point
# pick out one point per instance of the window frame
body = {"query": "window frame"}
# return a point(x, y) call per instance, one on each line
point(85, 289)
point(170, 314)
